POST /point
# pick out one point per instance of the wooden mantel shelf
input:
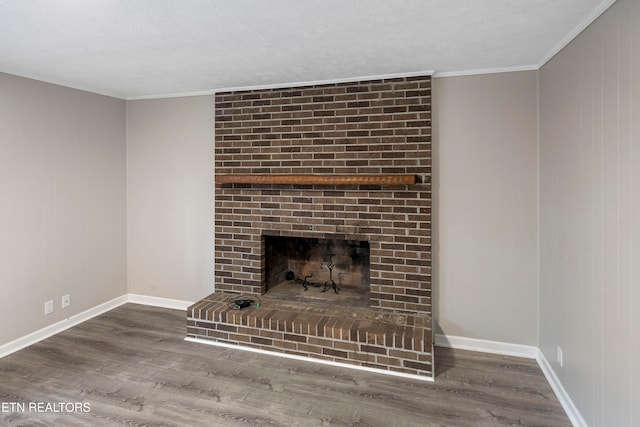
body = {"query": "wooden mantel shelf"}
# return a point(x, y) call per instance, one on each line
point(317, 179)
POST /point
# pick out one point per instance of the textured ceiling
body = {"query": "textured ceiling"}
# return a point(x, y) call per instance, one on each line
point(143, 48)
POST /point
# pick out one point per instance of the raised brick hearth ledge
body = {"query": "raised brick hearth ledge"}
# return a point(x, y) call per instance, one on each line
point(353, 335)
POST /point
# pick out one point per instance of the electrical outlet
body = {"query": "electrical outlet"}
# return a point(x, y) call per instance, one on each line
point(560, 357)
point(48, 307)
point(66, 300)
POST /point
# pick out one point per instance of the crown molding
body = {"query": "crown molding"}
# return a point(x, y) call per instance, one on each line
point(588, 20)
point(170, 95)
point(62, 84)
point(485, 71)
point(325, 82)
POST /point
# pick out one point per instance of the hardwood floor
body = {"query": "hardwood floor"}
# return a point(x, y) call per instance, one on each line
point(131, 367)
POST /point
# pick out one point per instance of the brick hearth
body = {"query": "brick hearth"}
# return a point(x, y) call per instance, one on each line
point(358, 336)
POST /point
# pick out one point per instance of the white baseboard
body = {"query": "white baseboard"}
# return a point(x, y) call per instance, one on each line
point(486, 346)
point(310, 359)
point(159, 302)
point(62, 325)
point(572, 412)
point(518, 350)
point(47, 331)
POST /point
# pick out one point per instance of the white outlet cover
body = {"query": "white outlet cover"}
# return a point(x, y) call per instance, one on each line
point(66, 301)
point(560, 357)
point(48, 307)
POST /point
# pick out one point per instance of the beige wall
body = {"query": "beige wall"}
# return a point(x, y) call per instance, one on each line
point(485, 203)
point(170, 197)
point(63, 212)
point(590, 216)
point(486, 172)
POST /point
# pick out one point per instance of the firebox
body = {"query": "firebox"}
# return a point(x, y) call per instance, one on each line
point(333, 271)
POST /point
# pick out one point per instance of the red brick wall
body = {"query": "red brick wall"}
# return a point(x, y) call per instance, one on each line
point(370, 127)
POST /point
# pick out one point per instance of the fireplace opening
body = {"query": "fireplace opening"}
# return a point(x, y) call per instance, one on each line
point(332, 271)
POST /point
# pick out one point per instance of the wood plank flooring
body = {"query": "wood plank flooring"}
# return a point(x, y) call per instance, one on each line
point(132, 367)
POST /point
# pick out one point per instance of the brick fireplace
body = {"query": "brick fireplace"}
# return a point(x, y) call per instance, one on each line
point(377, 129)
